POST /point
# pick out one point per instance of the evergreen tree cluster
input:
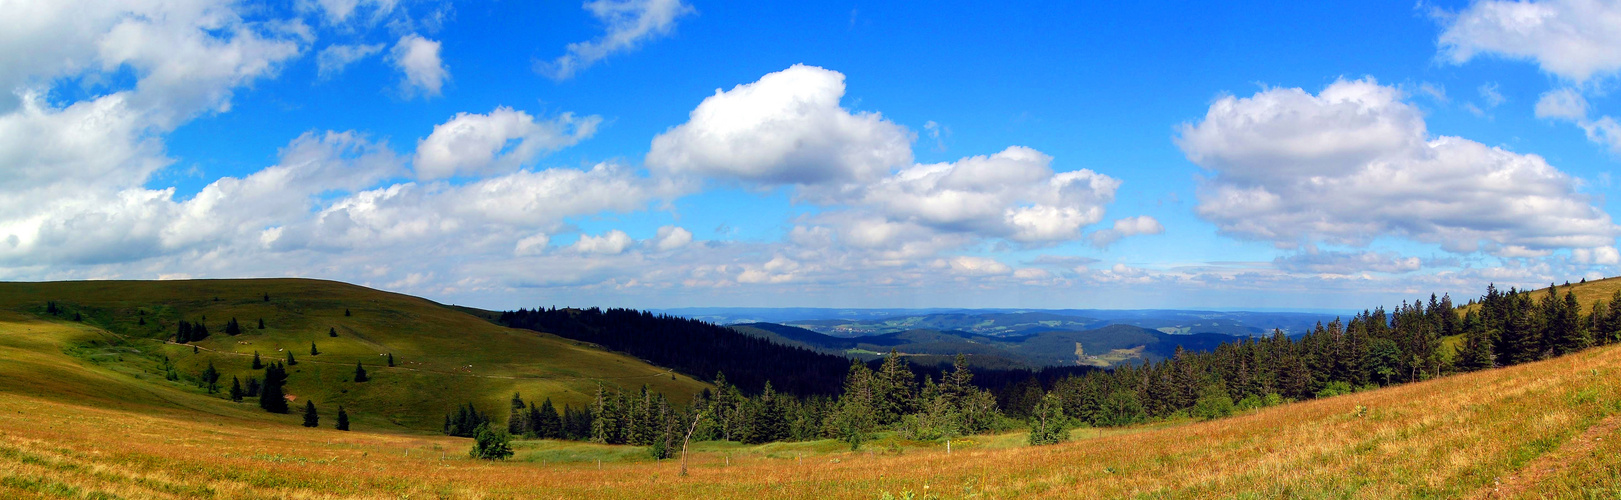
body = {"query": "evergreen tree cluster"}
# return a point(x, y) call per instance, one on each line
point(272, 398)
point(188, 332)
point(232, 328)
point(539, 422)
point(465, 421)
point(691, 346)
point(888, 398)
point(1373, 349)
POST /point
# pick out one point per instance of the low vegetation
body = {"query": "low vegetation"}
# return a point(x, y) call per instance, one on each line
point(1525, 406)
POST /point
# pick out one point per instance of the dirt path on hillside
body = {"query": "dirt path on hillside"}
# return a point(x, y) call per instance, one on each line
point(1516, 484)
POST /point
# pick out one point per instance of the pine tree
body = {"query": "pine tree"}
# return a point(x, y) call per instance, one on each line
point(896, 390)
point(232, 328)
point(267, 297)
point(290, 360)
point(211, 378)
point(545, 422)
point(236, 389)
point(391, 359)
point(1048, 425)
point(261, 323)
point(311, 419)
point(360, 373)
point(518, 421)
point(257, 364)
point(252, 389)
point(271, 397)
point(343, 419)
point(346, 312)
point(853, 420)
point(313, 350)
point(332, 331)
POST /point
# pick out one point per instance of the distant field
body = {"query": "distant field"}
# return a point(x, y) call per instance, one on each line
point(70, 427)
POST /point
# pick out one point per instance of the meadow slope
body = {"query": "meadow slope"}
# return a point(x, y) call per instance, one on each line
point(75, 428)
point(444, 356)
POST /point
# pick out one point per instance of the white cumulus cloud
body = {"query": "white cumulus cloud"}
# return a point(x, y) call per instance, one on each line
point(786, 128)
point(610, 243)
point(671, 238)
point(1355, 162)
point(1574, 39)
point(503, 140)
point(1129, 226)
point(422, 71)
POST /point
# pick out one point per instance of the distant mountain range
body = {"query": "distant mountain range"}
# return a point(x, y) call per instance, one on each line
point(1010, 322)
point(1102, 347)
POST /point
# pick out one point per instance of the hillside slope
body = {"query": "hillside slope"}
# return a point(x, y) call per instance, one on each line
point(1544, 429)
point(445, 357)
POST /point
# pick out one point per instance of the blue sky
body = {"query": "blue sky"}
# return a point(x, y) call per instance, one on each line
point(668, 153)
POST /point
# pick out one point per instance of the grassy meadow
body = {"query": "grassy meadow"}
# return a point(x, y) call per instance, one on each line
point(444, 356)
point(78, 425)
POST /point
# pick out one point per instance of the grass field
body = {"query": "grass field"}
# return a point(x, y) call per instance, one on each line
point(445, 356)
point(72, 426)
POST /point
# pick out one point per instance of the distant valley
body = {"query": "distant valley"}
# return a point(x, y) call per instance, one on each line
point(1011, 339)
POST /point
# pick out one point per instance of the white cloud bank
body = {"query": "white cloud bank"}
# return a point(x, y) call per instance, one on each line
point(1574, 39)
point(1355, 162)
point(1578, 41)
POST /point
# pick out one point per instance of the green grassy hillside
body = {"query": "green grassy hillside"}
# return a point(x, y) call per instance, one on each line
point(444, 356)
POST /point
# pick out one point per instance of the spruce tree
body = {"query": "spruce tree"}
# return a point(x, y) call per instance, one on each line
point(236, 389)
point(211, 378)
point(267, 297)
point(232, 328)
point(290, 360)
point(360, 373)
point(391, 359)
point(343, 419)
point(1048, 425)
point(271, 397)
point(546, 422)
point(311, 419)
point(257, 364)
point(346, 312)
point(261, 323)
point(313, 350)
point(332, 331)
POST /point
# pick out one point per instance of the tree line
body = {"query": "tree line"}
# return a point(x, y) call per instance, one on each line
point(1416, 341)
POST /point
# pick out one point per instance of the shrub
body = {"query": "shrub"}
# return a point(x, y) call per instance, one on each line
point(491, 444)
point(1213, 403)
point(1334, 388)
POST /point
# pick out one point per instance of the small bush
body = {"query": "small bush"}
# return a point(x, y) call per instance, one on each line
point(490, 444)
point(1334, 388)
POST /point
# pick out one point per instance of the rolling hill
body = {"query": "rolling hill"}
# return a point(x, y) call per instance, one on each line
point(445, 357)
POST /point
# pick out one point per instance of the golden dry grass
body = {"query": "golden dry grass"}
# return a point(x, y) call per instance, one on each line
point(1467, 435)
